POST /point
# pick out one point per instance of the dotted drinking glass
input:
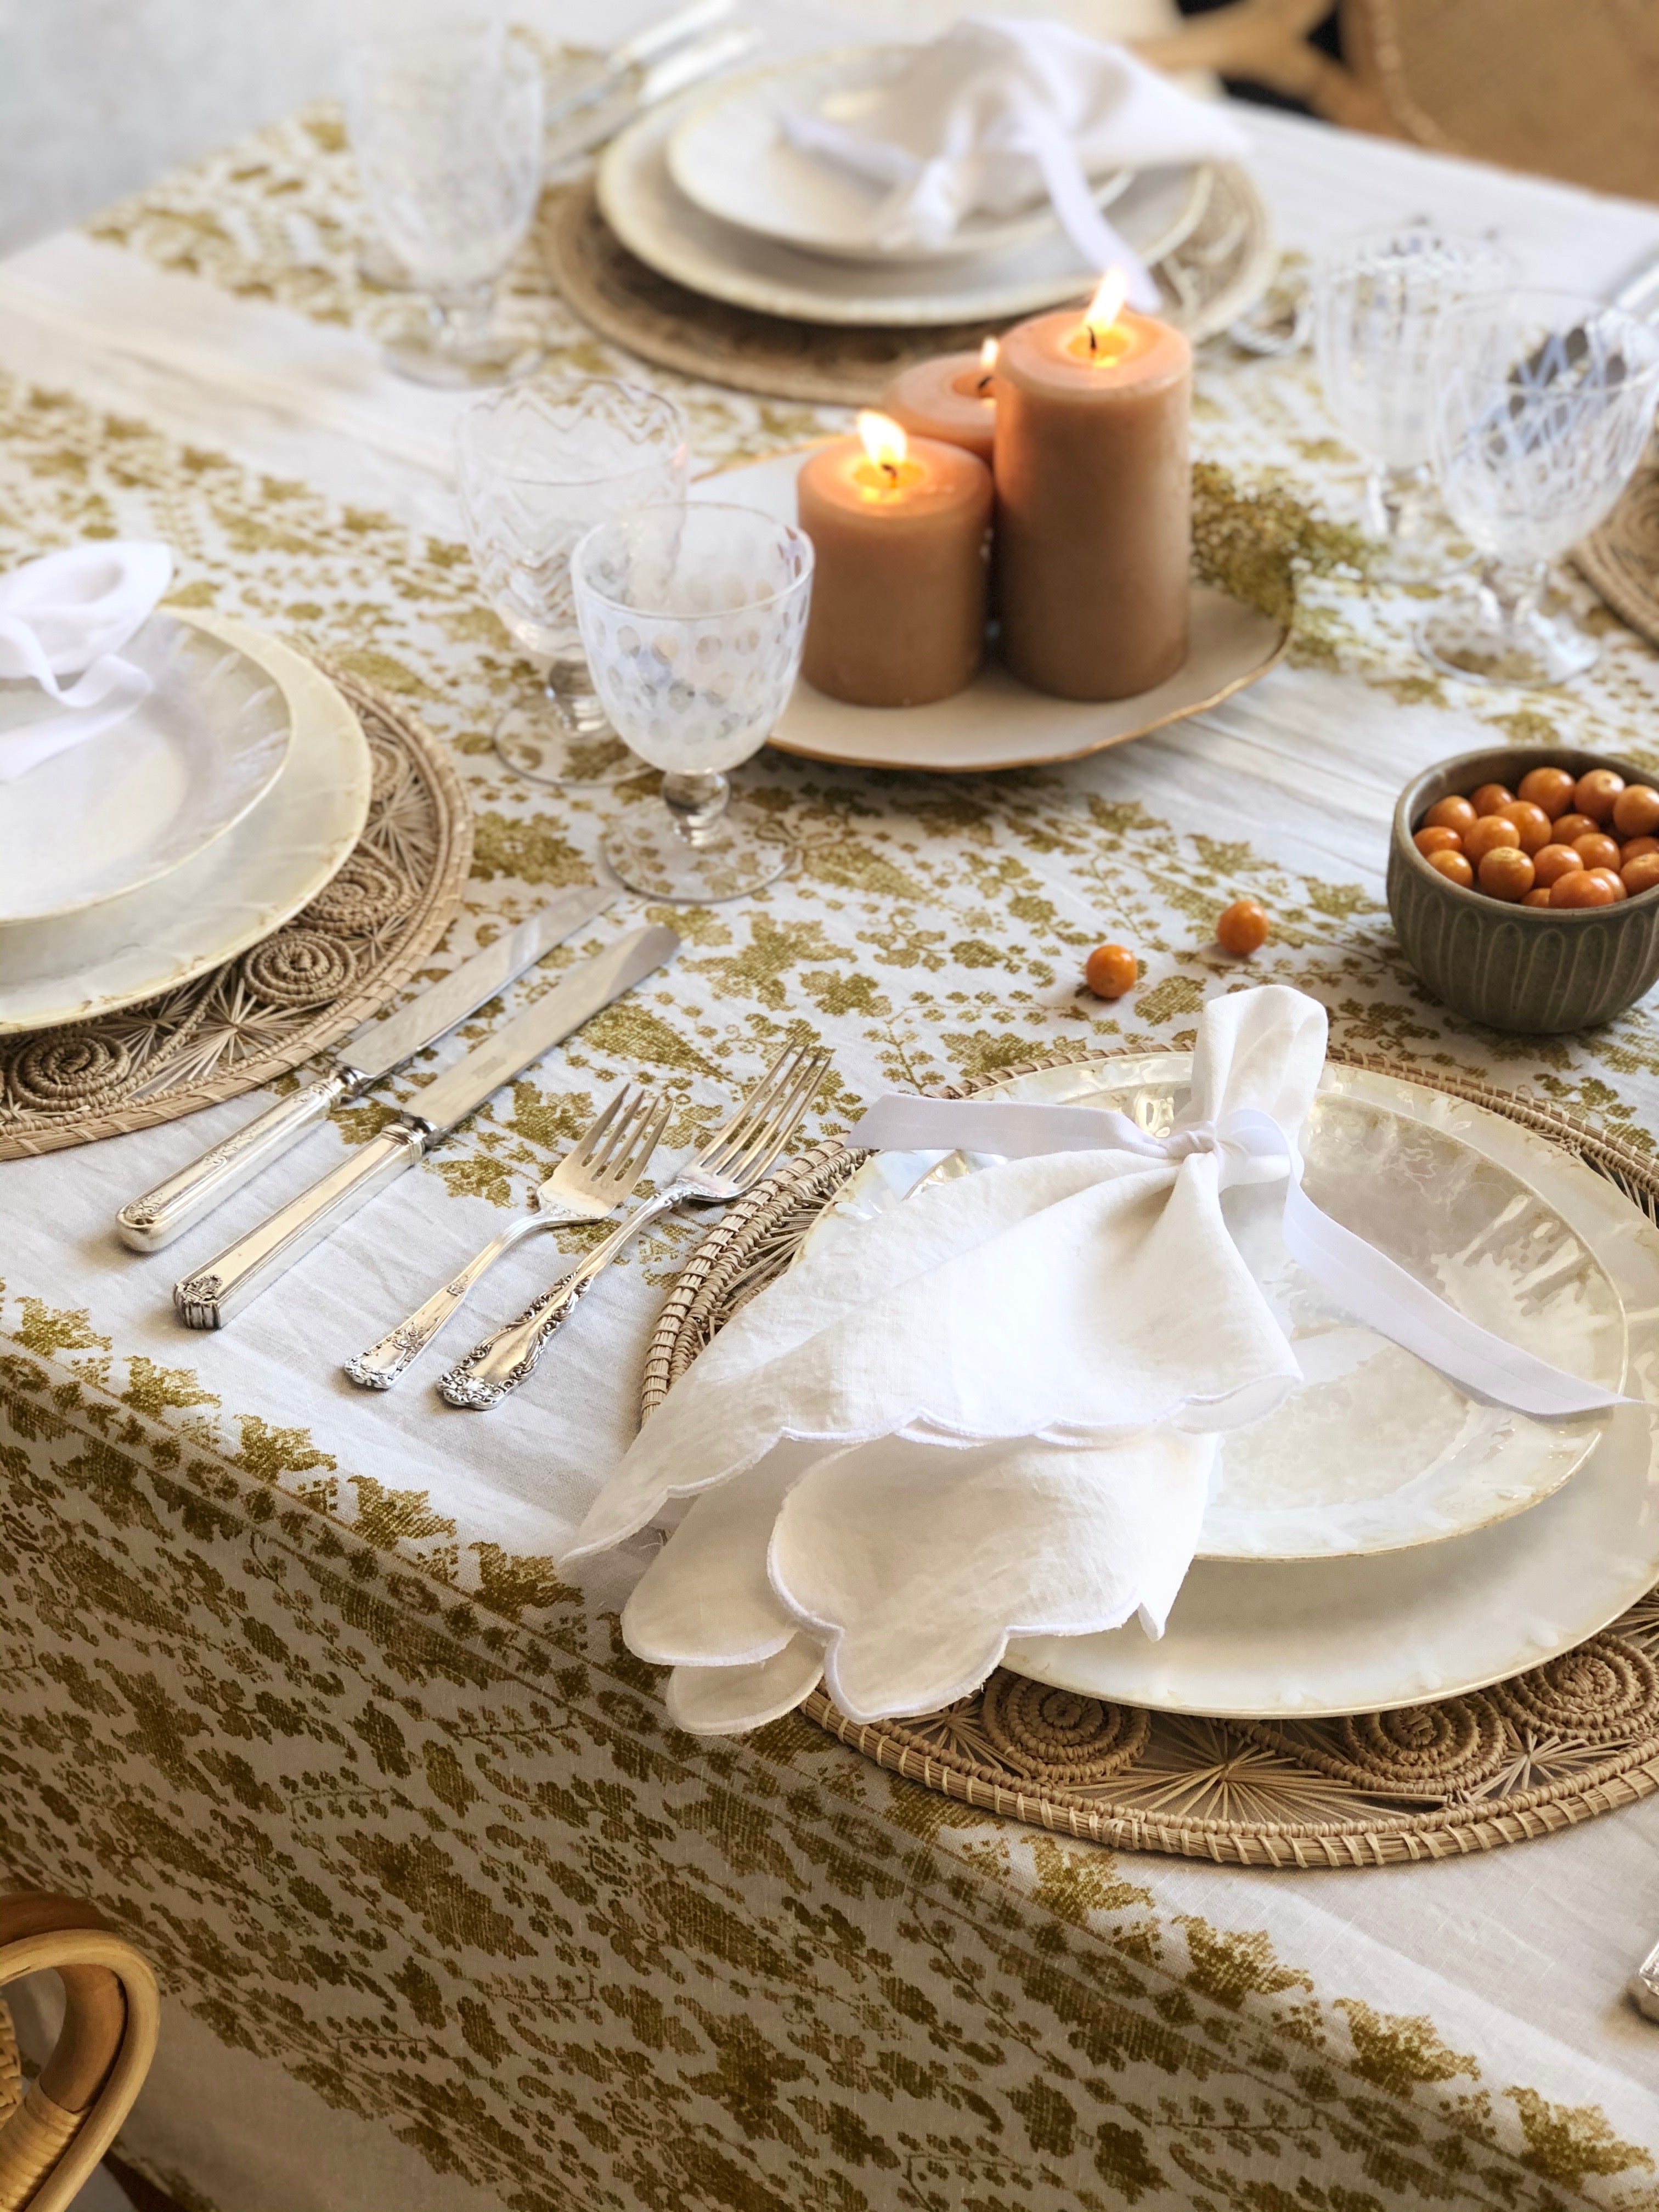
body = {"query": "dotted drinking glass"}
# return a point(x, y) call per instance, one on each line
point(539, 465)
point(1544, 404)
point(694, 618)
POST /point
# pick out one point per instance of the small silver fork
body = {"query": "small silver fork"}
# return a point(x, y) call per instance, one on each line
point(730, 1162)
point(601, 1169)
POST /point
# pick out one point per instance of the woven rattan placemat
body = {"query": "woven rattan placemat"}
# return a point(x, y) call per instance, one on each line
point(359, 940)
point(1621, 559)
point(1222, 269)
point(1573, 1739)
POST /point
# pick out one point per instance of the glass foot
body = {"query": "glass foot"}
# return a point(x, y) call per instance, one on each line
point(562, 740)
point(654, 858)
point(1485, 643)
point(473, 366)
point(379, 269)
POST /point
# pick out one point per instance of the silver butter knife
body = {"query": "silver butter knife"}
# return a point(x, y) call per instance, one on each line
point(208, 1299)
point(621, 98)
point(370, 1053)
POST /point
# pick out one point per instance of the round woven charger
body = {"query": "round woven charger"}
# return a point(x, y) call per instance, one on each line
point(1621, 559)
point(361, 939)
point(1544, 1750)
point(1223, 268)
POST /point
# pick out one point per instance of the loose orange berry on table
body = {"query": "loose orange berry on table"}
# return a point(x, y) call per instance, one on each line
point(1505, 873)
point(1550, 862)
point(1642, 873)
point(1583, 887)
point(1492, 799)
point(1491, 831)
point(1453, 814)
point(1636, 810)
point(1110, 970)
point(1434, 840)
point(1244, 927)
point(1596, 851)
point(1596, 793)
point(1453, 866)
point(1548, 787)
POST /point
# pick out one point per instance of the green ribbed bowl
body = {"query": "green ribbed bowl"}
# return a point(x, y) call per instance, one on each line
point(1523, 967)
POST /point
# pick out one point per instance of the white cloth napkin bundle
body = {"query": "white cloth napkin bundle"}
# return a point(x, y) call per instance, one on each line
point(994, 1410)
point(69, 615)
point(995, 113)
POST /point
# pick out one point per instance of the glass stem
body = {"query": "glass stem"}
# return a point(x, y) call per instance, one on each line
point(1511, 596)
point(696, 804)
point(461, 319)
point(1393, 498)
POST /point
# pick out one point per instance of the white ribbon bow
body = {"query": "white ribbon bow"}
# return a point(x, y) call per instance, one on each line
point(69, 615)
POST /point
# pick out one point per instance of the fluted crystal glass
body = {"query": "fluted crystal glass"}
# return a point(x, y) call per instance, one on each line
point(539, 465)
point(1378, 300)
point(446, 118)
point(694, 618)
point(1544, 404)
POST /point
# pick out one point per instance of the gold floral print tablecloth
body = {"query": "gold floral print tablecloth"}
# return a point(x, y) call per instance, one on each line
point(447, 1915)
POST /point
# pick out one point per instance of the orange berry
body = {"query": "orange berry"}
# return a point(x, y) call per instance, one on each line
point(1532, 823)
point(1450, 814)
point(1596, 851)
point(1583, 887)
point(1548, 787)
point(1454, 867)
point(1492, 798)
point(1636, 810)
point(1550, 862)
point(1538, 896)
point(1505, 873)
point(1437, 841)
point(1110, 970)
point(1569, 826)
point(1642, 873)
point(1633, 847)
point(1491, 831)
point(1596, 793)
point(1242, 928)
point(1615, 881)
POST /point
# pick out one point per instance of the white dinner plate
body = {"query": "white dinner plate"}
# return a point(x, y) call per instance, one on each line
point(243, 886)
point(1260, 1639)
point(997, 722)
point(123, 809)
point(654, 220)
point(731, 158)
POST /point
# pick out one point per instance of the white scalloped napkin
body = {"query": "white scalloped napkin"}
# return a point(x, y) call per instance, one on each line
point(994, 1410)
point(996, 112)
point(69, 614)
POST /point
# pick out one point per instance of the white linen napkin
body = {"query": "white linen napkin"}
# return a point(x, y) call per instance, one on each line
point(69, 614)
point(994, 1412)
point(997, 112)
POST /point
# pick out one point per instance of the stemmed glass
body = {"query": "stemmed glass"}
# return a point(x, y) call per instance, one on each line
point(539, 465)
point(1544, 404)
point(694, 618)
point(446, 117)
point(1377, 303)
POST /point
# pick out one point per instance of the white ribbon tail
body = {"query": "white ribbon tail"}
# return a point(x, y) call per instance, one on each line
point(1101, 246)
point(103, 697)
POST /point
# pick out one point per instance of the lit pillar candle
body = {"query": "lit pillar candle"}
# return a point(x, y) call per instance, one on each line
point(1094, 495)
point(901, 529)
point(952, 398)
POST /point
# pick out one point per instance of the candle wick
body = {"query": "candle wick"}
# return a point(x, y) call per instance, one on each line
point(984, 384)
point(890, 469)
point(1094, 343)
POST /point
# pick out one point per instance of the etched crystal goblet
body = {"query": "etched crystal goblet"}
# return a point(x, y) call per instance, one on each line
point(539, 465)
point(1378, 301)
point(694, 618)
point(1544, 404)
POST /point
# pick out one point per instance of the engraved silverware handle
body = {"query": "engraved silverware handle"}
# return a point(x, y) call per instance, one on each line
point(379, 1368)
point(183, 1199)
point(501, 1362)
point(1644, 1985)
point(208, 1299)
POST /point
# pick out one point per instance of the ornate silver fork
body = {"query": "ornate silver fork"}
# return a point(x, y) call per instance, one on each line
point(730, 1163)
point(601, 1169)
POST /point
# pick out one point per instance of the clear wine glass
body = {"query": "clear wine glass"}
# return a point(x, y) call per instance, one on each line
point(1377, 303)
point(539, 465)
point(446, 117)
point(1545, 402)
point(694, 618)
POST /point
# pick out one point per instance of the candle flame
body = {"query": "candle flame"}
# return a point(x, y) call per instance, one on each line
point(1100, 316)
point(988, 356)
point(883, 440)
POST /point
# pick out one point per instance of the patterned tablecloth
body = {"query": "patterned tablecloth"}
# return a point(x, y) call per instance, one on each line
point(446, 1914)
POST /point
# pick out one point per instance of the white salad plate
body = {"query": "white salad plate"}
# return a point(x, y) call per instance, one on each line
point(997, 722)
point(121, 809)
point(732, 158)
point(242, 886)
point(1156, 212)
point(1504, 1588)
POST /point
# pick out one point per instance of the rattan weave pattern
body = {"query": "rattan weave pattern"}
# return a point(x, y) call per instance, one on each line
point(1571, 1741)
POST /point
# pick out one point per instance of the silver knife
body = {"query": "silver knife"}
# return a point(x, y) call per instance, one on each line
point(208, 1299)
point(619, 99)
point(371, 1051)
